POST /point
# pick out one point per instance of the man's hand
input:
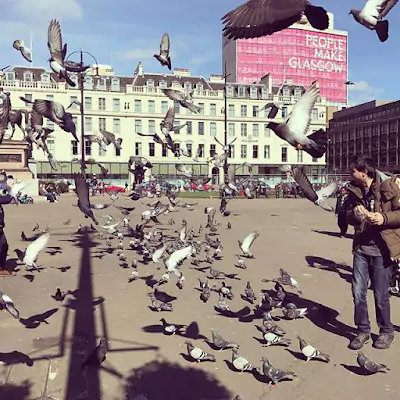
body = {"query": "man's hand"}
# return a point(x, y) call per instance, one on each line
point(375, 218)
point(360, 213)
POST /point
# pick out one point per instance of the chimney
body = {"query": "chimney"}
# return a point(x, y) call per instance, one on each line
point(139, 69)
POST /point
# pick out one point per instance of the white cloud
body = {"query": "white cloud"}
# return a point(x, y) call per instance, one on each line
point(39, 10)
point(362, 92)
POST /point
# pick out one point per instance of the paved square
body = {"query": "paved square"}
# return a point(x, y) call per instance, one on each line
point(293, 234)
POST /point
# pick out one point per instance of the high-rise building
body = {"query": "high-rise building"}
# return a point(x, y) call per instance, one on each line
point(136, 104)
point(299, 53)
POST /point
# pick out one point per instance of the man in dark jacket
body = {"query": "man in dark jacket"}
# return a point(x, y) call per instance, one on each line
point(340, 211)
point(5, 199)
point(374, 211)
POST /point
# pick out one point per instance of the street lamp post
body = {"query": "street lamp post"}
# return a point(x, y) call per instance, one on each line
point(225, 119)
point(81, 84)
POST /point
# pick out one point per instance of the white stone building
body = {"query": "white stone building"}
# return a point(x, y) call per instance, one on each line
point(125, 105)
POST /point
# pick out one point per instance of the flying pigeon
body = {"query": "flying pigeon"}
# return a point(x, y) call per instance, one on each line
point(105, 138)
point(372, 16)
point(31, 254)
point(257, 18)
point(317, 197)
point(20, 46)
point(349, 83)
point(57, 51)
point(182, 99)
point(82, 191)
point(247, 243)
point(297, 123)
point(164, 57)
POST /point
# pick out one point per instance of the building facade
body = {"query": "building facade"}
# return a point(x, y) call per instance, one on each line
point(369, 129)
point(299, 53)
point(127, 105)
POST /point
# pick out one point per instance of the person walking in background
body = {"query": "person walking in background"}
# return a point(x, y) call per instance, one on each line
point(340, 211)
point(5, 199)
point(373, 209)
point(277, 190)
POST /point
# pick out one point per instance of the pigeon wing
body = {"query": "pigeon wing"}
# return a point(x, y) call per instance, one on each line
point(49, 109)
point(18, 187)
point(34, 248)
point(249, 239)
point(108, 136)
point(231, 174)
point(300, 117)
point(36, 118)
point(54, 41)
point(165, 45)
point(82, 190)
point(301, 179)
point(9, 305)
point(173, 94)
point(386, 7)
point(177, 257)
point(169, 119)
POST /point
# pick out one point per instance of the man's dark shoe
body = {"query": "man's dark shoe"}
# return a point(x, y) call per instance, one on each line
point(384, 341)
point(358, 342)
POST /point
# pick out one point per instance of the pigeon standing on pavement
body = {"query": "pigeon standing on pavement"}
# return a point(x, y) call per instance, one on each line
point(370, 366)
point(311, 352)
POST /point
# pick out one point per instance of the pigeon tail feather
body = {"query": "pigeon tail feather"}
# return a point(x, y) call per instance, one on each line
point(317, 17)
point(382, 30)
point(324, 357)
point(319, 141)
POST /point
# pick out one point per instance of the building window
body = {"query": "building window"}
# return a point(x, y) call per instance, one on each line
point(116, 105)
point(88, 147)
point(231, 129)
point(267, 131)
point(231, 110)
point(88, 103)
point(266, 151)
point(152, 150)
point(314, 113)
point(241, 91)
point(177, 107)
point(314, 159)
point(243, 130)
point(152, 106)
point(138, 125)
point(162, 84)
point(88, 124)
point(213, 129)
point(101, 84)
point(73, 100)
point(284, 154)
point(256, 130)
point(201, 149)
point(74, 147)
point(188, 127)
point(51, 146)
point(201, 128)
point(284, 112)
point(150, 83)
point(28, 76)
point(297, 93)
point(255, 111)
point(255, 151)
point(115, 84)
point(253, 92)
point(138, 106)
point(177, 146)
point(102, 152)
point(102, 103)
point(286, 92)
point(116, 125)
point(264, 93)
point(127, 106)
point(189, 148)
point(49, 97)
point(213, 109)
point(88, 83)
point(201, 105)
point(164, 106)
point(138, 149)
point(229, 91)
point(300, 156)
point(231, 151)
point(212, 150)
point(152, 126)
point(28, 97)
point(243, 110)
point(10, 76)
point(102, 124)
point(243, 151)
point(164, 151)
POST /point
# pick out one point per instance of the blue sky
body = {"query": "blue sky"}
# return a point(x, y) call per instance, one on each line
point(123, 32)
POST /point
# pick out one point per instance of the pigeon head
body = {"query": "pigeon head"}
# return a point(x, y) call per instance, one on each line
point(354, 12)
point(148, 164)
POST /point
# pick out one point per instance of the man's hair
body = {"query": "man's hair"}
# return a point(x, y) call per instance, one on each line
point(362, 164)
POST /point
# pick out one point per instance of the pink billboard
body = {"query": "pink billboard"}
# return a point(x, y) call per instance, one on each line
point(301, 55)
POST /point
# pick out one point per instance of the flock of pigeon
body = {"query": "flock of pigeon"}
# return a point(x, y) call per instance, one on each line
point(203, 250)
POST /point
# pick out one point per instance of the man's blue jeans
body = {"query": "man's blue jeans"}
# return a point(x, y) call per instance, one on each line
point(379, 271)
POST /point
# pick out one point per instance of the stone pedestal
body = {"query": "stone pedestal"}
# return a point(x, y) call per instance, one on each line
point(14, 159)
